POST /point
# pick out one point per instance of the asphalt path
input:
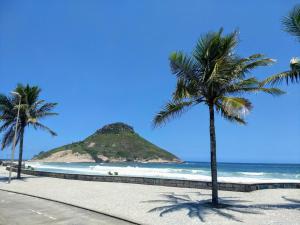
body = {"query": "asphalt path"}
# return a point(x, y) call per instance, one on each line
point(17, 209)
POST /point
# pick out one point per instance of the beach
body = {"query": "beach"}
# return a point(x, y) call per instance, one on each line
point(145, 203)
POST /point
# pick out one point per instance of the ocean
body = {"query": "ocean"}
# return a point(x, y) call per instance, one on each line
point(227, 172)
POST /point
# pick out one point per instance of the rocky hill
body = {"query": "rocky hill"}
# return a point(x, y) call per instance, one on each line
point(115, 142)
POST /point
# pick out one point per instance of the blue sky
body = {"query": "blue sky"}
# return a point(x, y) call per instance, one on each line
point(107, 61)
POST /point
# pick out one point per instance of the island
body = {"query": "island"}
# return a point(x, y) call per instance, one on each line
point(117, 142)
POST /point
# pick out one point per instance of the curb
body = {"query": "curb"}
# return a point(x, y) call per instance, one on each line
point(72, 205)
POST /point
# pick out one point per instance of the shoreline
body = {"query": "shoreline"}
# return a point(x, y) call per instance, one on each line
point(142, 170)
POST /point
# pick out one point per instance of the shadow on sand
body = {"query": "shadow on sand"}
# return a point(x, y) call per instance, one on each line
point(4, 179)
point(227, 207)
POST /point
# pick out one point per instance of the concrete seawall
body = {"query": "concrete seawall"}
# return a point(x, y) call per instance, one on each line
point(240, 187)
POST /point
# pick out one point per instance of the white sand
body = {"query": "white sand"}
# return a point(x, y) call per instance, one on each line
point(67, 156)
point(131, 201)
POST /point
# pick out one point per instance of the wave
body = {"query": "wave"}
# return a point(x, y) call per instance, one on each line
point(153, 172)
point(253, 173)
point(168, 173)
point(124, 171)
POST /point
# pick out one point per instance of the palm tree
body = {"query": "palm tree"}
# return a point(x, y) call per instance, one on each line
point(215, 76)
point(291, 24)
point(32, 110)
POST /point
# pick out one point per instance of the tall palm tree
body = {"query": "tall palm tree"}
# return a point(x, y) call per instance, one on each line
point(291, 24)
point(32, 110)
point(215, 76)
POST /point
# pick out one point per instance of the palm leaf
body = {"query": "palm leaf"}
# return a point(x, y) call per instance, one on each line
point(253, 64)
point(181, 65)
point(8, 137)
point(181, 90)
point(287, 76)
point(251, 85)
point(37, 125)
point(291, 23)
point(234, 106)
point(171, 110)
point(229, 117)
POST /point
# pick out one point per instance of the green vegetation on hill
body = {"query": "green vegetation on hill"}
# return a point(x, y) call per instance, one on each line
point(115, 141)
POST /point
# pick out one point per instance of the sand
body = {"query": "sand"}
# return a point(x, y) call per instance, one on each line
point(66, 156)
point(181, 206)
point(70, 156)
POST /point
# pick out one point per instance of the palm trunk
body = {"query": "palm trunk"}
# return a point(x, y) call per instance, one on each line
point(20, 153)
point(213, 156)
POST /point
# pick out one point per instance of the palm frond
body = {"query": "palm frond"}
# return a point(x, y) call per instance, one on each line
point(214, 46)
point(45, 110)
point(43, 115)
point(253, 64)
point(181, 90)
point(228, 116)
point(213, 54)
point(234, 107)
point(36, 104)
point(8, 137)
point(250, 85)
point(6, 103)
point(271, 91)
point(29, 94)
point(171, 110)
point(291, 23)
point(182, 65)
point(47, 107)
point(238, 68)
point(37, 125)
point(287, 76)
point(6, 124)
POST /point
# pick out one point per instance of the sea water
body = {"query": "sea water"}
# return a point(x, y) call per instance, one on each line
point(227, 172)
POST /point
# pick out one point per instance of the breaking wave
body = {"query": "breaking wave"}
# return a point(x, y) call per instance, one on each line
point(182, 173)
point(253, 173)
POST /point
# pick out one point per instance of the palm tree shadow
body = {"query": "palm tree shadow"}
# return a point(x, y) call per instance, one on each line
point(3, 179)
point(24, 179)
point(228, 207)
point(291, 200)
point(199, 208)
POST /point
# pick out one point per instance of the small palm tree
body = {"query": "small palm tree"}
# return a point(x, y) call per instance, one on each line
point(215, 76)
point(32, 109)
point(291, 24)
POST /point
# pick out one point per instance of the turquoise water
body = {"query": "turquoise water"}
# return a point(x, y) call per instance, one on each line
point(187, 170)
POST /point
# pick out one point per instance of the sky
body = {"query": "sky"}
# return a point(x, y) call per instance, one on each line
point(107, 61)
